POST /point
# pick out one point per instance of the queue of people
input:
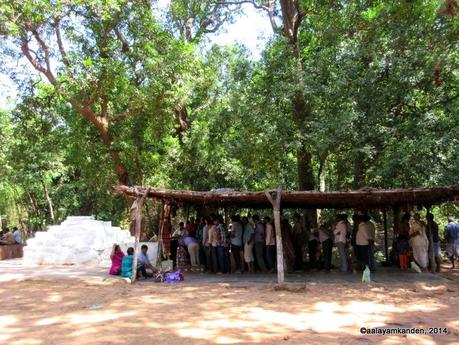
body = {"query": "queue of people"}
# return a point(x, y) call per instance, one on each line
point(249, 245)
point(418, 241)
point(212, 245)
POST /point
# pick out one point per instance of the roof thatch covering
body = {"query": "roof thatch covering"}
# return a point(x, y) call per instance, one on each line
point(365, 198)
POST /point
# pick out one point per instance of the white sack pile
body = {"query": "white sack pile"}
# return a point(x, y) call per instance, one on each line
point(78, 240)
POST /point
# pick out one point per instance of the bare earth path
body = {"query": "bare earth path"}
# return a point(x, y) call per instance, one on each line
point(97, 311)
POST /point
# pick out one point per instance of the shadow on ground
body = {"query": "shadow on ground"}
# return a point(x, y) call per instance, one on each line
point(72, 311)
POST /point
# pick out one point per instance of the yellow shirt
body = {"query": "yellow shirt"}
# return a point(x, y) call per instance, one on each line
point(213, 235)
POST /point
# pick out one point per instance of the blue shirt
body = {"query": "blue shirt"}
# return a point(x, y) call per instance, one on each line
point(222, 239)
point(126, 266)
point(236, 231)
point(144, 258)
point(248, 233)
point(452, 233)
point(17, 236)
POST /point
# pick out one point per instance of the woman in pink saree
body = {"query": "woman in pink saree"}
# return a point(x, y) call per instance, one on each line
point(116, 256)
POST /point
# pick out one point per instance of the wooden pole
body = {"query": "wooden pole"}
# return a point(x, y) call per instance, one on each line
point(396, 214)
point(160, 235)
point(386, 246)
point(167, 213)
point(137, 205)
point(275, 202)
point(433, 263)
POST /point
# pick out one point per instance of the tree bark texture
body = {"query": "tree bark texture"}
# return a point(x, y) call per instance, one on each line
point(49, 202)
point(276, 204)
point(137, 206)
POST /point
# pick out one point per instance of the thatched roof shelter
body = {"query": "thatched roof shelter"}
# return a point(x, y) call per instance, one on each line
point(364, 198)
point(360, 199)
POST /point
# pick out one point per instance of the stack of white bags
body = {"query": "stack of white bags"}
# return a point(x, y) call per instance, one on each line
point(77, 241)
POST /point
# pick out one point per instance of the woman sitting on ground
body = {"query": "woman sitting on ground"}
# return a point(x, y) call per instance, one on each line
point(126, 266)
point(116, 256)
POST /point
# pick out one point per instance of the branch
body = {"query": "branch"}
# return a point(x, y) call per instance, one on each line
point(212, 18)
point(104, 106)
point(118, 117)
point(35, 63)
point(99, 121)
point(94, 95)
point(242, 2)
point(297, 20)
point(45, 48)
point(61, 47)
point(124, 43)
point(217, 26)
point(271, 15)
point(268, 7)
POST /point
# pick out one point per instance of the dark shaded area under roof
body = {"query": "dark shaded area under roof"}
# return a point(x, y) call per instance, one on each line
point(364, 198)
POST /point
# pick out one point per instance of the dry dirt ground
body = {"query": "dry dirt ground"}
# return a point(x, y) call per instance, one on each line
point(97, 311)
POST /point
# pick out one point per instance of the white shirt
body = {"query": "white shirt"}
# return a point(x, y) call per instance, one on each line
point(340, 232)
point(205, 235)
point(365, 233)
point(270, 241)
point(179, 232)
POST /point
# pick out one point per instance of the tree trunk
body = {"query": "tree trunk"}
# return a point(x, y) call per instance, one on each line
point(83, 108)
point(322, 171)
point(33, 203)
point(138, 167)
point(137, 211)
point(359, 170)
point(321, 181)
point(276, 204)
point(305, 173)
point(120, 168)
point(291, 18)
point(49, 202)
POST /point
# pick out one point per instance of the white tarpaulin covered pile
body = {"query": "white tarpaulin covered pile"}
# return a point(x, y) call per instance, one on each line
point(78, 240)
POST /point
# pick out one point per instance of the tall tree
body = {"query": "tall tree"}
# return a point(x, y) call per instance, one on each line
point(100, 56)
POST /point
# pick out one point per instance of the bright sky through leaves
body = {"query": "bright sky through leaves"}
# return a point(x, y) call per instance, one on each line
point(251, 29)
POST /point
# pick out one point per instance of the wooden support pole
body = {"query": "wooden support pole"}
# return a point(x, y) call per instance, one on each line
point(160, 234)
point(396, 214)
point(137, 205)
point(275, 202)
point(433, 263)
point(386, 246)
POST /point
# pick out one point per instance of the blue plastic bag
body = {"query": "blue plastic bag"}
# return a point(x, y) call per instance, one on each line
point(173, 277)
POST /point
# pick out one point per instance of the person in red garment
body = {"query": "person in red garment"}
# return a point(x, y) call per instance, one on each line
point(116, 256)
point(191, 227)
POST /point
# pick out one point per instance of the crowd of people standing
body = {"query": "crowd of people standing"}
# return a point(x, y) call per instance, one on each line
point(418, 241)
point(248, 244)
point(221, 248)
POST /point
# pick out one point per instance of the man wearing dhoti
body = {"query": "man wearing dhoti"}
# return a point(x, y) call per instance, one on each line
point(419, 242)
